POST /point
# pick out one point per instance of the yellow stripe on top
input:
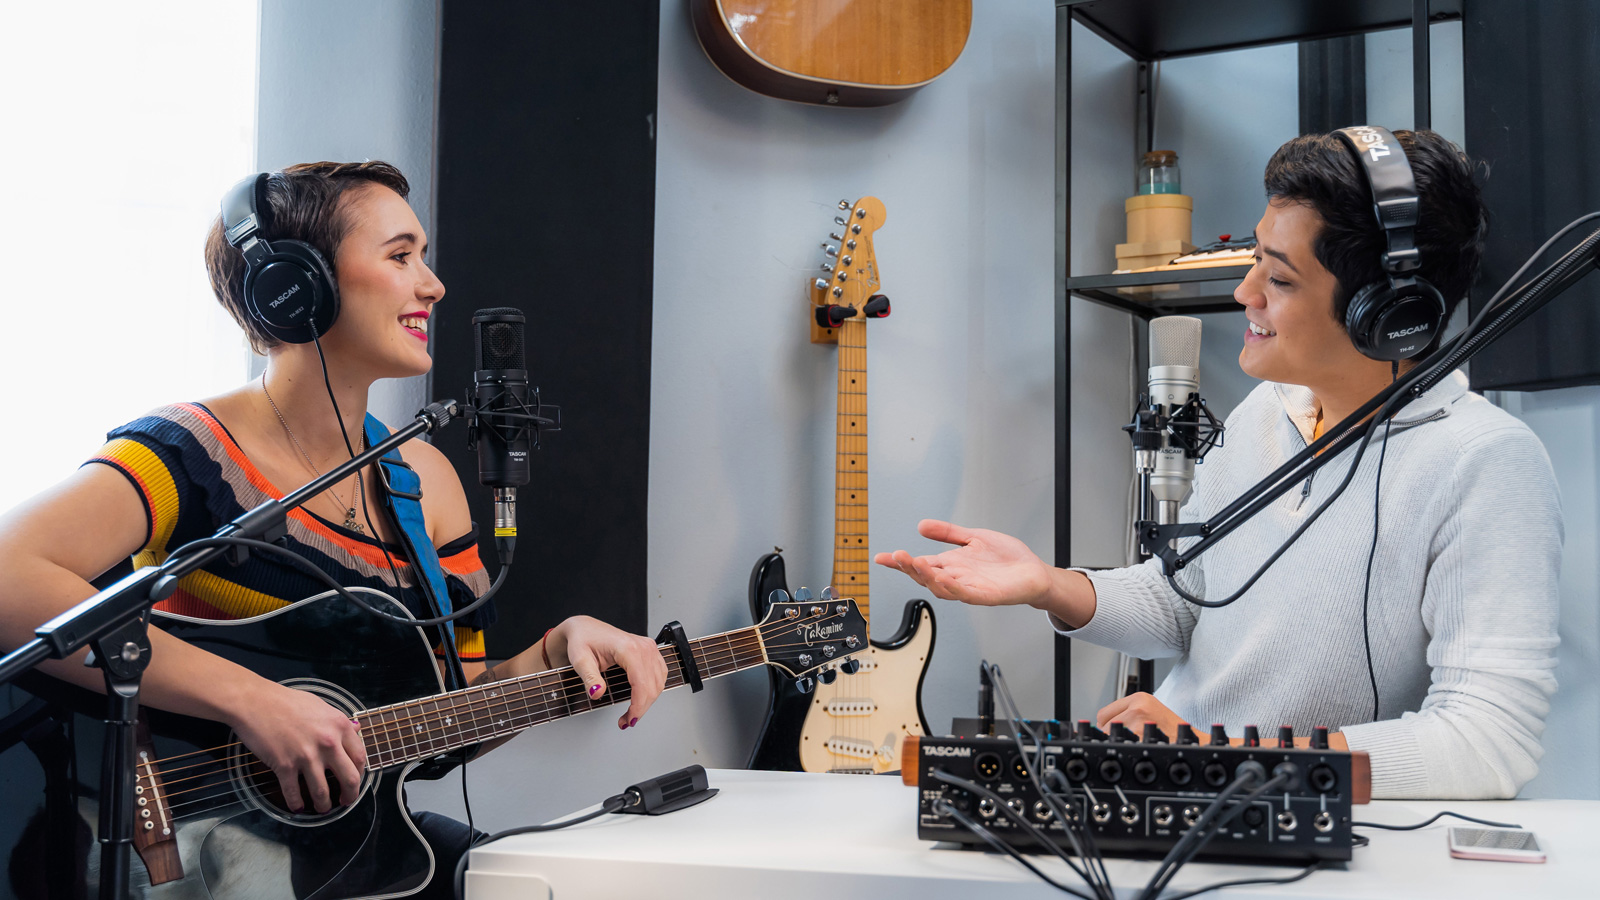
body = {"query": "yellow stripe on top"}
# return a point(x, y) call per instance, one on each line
point(151, 474)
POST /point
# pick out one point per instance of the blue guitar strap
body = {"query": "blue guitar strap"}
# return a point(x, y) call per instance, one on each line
point(402, 493)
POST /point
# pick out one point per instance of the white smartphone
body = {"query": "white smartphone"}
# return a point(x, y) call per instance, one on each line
point(1498, 844)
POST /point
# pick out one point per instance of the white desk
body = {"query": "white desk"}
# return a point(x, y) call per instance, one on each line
point(784, 835)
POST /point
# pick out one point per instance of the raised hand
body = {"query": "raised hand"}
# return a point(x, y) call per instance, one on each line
point(985, 568)
point(591, 646)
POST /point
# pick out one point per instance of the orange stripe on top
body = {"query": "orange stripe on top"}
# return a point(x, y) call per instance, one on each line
point(365, 552)
point(464, 563)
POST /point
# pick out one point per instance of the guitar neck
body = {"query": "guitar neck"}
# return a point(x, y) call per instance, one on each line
point(425, 728)
point(851, 560)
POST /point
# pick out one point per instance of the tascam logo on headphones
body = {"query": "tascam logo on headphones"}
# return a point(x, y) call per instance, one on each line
point(1406, 331)
point(1374, 141)
point(285, 295)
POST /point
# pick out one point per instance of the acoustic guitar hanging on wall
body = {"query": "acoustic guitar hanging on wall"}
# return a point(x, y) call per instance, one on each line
point(833, 52)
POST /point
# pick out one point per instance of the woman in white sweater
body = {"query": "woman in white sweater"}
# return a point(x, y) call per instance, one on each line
point(1463, 598)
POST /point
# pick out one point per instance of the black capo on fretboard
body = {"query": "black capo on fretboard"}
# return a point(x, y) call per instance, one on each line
point(672, 633)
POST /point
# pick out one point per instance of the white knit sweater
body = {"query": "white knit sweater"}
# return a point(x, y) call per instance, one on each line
point(1463, 604)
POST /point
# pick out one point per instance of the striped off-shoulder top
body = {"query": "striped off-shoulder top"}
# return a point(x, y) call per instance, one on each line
point(193, 478)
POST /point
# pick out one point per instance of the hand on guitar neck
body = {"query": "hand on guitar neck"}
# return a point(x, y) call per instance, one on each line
point(988, 568)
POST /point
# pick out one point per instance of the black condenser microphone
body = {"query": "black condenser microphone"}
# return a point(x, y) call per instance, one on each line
point(502, 427)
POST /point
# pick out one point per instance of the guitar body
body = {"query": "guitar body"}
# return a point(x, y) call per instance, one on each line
point(856, 724)
point(778, 746)
point(232, 839)
point(833, 52)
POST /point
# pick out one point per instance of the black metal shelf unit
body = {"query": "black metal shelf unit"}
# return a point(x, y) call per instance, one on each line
point(1150, 30)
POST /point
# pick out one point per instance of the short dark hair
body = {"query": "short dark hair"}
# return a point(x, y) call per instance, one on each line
point(1321, 171)
point(302, 205)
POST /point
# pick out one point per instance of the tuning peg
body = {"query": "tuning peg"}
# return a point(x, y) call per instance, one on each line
point(830, 249)
point(802, 594)
point(850, 666)
point(828, 593)
point(854, 229)
point(838, 292)
point(877, 307)
point(851, 244)
point(846, 261)
point(805, 684)
point(820, 284)
point(861, 213)
point(778, 596)
point(836, 237)
point(844, 204)
point(840, 220)
point(827, 676)
point(827, 267)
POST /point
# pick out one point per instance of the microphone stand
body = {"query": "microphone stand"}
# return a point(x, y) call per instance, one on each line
point(114, 624)
point(1161, 538)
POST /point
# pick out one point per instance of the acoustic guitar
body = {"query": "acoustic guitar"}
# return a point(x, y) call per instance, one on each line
point(843, 52)
point(856, 722)
point(211, 823)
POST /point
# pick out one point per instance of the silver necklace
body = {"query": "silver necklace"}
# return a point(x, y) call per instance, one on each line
point(349, 510)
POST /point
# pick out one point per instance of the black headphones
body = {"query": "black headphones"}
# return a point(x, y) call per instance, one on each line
point(288, 286)
point(1398, 317)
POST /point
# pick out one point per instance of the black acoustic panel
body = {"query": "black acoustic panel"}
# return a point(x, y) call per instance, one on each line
point(1533, 114)
point(1333, 84)
point(1160, 29)
point(546, 202)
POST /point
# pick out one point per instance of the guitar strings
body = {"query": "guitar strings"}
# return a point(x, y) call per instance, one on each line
point(722, 655)
point(620, 692)
point(713, 658)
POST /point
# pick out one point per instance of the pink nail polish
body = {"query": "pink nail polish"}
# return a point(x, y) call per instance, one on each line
point(593, 688)
point(633, 721)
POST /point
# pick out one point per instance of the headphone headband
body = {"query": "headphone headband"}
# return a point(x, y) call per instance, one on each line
point(241, 219)
point(1394, 197)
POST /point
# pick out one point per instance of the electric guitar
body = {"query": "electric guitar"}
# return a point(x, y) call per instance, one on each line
point(855, 723)
point(212, 825)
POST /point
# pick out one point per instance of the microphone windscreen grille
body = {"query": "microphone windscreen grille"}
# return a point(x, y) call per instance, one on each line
point(1175, 341)
point(499, 343)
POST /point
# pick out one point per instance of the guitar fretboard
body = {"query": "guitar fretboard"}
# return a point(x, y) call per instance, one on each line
point(851, 559)
point(422, 729)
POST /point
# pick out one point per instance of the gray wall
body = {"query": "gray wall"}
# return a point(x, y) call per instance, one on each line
point(352, 80)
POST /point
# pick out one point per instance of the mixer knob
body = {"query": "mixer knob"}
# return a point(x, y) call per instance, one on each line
point(1219, 736)
point(1186, 734)
point(1087, 731)
point(1153, 734)
point(1252, 737)
point(1120, 732)
point(1286, 737)
point(1319, 737)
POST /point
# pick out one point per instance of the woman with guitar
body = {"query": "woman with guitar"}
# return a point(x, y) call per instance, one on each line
point(174, 475)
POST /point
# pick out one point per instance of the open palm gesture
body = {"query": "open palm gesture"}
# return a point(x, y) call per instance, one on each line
point(985, 568)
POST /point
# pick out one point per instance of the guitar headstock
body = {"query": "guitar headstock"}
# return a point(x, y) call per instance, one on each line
point(848, 287)
point(811, 639)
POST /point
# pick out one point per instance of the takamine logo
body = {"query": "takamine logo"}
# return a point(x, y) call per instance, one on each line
point(1373, 140)
point(1408, 331)
point(821, 632)
point(285, 295)
point(937, 750)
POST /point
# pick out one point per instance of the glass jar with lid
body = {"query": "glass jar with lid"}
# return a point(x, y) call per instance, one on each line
point(1158, 173)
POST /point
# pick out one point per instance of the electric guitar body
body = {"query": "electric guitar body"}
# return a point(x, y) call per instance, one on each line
point(211, 823)
point(854, 722)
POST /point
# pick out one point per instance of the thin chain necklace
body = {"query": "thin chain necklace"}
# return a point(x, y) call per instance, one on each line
point(349, 509)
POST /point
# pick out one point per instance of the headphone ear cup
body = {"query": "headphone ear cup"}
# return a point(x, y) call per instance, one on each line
point(1391, 325)
point(292, 291)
